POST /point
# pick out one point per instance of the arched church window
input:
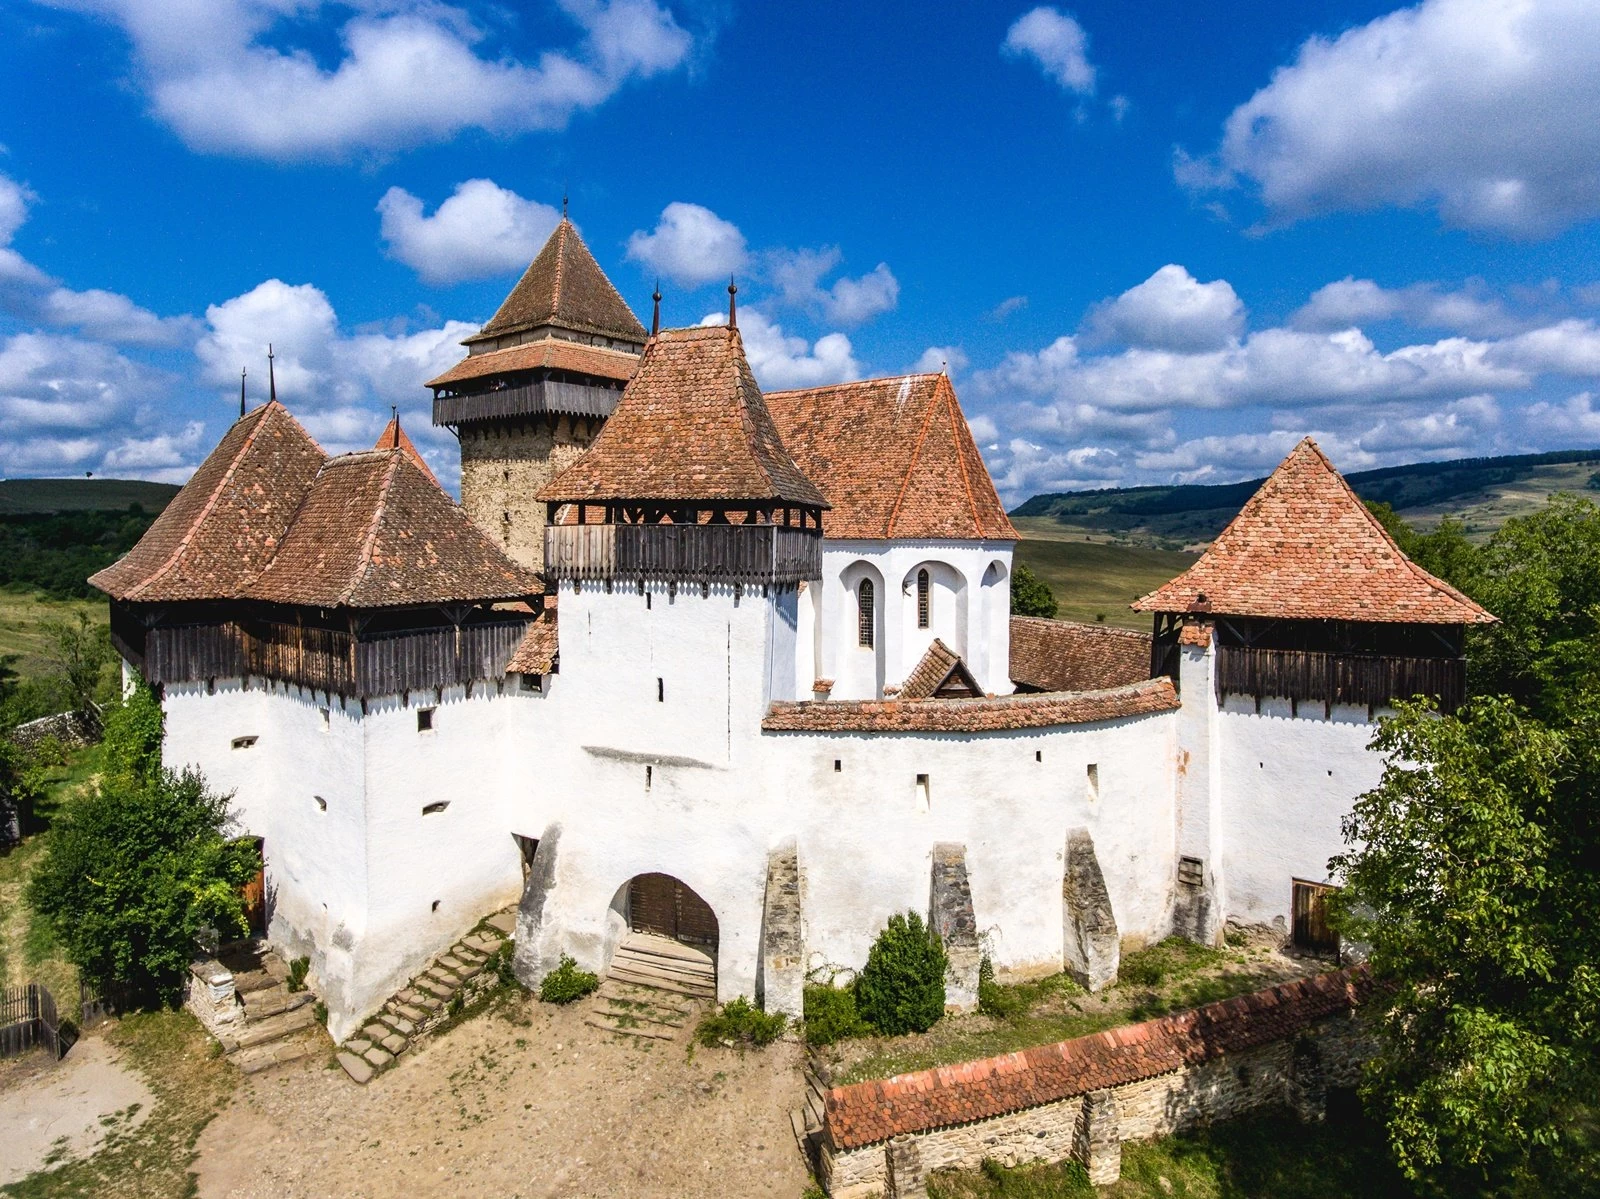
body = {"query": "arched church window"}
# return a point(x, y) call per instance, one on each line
point(865, 614)
point(924, 598)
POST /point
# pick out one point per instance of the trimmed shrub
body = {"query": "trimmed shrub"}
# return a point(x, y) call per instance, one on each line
point(741, 1023)
point(994, 1000)
point(830, 1015)
point(566, 982)
point(901, 989)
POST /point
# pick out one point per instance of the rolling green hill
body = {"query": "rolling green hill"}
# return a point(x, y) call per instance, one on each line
point(30, 497)
point(1483, 492)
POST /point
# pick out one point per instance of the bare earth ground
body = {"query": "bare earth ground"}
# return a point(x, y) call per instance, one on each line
point(525, 1100)
point(53, 1112)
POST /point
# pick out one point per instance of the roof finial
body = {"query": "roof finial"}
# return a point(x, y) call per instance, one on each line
point(733, 304)
point(563, 203)
point(394, 415)
point(655, 316)
point(272, 378)
point(241, 390)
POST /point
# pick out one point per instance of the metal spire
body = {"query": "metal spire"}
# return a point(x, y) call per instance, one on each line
point(272, 378)
point(733, 304)
point(241, 390)
point(655, 316)
point(394, 412)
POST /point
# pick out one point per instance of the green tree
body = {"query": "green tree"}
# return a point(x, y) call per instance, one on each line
point(1030, 595)
point(81, 653)
point(901, 988)
point(1444, 552)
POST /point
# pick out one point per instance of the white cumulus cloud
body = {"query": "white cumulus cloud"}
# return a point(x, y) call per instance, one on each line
point(480, 231)
point(1481, 109)
point(690, 245)
point(1057, 43)
point(1171, 310)
point(781, 360)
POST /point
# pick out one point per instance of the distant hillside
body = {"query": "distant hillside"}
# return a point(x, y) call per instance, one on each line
point(29, 497)
point(1483, 492)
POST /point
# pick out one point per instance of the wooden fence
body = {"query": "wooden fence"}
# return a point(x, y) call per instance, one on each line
point(28, 1019)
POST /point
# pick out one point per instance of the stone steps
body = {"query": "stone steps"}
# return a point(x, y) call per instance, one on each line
point(276, 1053)
point(274, 1027)
point(263, 1004)
point(416, 1009)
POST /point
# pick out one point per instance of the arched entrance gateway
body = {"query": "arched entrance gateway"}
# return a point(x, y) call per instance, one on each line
point(672, 939)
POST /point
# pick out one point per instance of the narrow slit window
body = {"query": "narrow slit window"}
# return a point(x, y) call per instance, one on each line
point(435, 808)
point(838, 765)
point(924, 800)
point(1092, 782)
point(649, 777)
point(866, 615)
point(327, 719)
point(322, 804)
point(924, 598)
point(425, 720)
point(243, 742)
point(661, 691)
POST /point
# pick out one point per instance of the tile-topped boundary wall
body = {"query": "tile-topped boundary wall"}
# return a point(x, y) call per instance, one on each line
point(1083, 1098)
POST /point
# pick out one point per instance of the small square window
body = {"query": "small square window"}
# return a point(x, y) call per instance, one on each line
point(243, 742)
point(425, 720)
point(533, 682)
point(1038, 755)
point(1191, 872)
point(838, 766)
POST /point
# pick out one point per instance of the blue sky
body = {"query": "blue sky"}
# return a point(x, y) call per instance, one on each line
point(1152, 243)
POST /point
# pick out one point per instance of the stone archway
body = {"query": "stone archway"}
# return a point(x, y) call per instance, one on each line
point(668, 907)
point(672, 940)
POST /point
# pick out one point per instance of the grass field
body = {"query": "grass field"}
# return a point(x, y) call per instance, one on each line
point(19, 497)
point(1093, 579)
point(25, 617)
point(1485, 511)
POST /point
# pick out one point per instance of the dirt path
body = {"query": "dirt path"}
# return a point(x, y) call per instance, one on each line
point(62, 1111)
point(526, 1101)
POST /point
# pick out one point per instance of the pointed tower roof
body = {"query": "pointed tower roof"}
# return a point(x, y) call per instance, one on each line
point(1304, 547)
point(895, 459)
point(225, 523)
point(564, 286)
point(376, 531)
point(691, 425)
point(394, 437)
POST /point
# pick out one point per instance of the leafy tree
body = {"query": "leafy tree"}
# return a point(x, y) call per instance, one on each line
point(901, 988)
point(1445, 551)
point(138, 867)
point(1030, 595)
point(80, 652)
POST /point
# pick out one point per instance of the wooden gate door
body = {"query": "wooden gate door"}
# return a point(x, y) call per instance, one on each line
point(1311, 929)
point(660, 904)
point(254, 894)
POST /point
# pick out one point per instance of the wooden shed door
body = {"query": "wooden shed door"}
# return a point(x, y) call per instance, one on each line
point(660, 904)
point(1311, 929)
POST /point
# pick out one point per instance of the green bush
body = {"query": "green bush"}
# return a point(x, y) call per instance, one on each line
point(320, 1011)
point(994, 1000)
point(566, 982)
point(499, 964)
point(901, 989)
point(830, 1015)
point(741, 1023)
point(297, 973)
point(1031, 595)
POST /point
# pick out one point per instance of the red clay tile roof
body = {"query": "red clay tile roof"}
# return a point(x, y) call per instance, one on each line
point(548, 353)
point(869, 1112)
point(1305, 548)
point(221, 528)
point(536, 653)
point(373, 532)
point(394, 437)
point(941, 673)
point(895, 459)
point(691, 425)
point(990, 715)
point(1061, 655)
point(564, 286)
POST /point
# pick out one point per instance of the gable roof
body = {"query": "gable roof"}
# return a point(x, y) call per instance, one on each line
point(564, 286)
point(394, 437)
point(548, 353)
point(940, 675)
point(375, 531)
point(1063, 655)
point(225, 522)
point(691, 425)
point(1304, 547)
point(895, 459)
point(540, 649)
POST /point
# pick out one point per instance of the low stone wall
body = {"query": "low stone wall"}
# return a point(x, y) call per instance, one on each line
point(1081, 1099)
point(210, 995)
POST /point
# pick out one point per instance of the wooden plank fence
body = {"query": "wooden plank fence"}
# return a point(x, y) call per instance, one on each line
point(28, 1019)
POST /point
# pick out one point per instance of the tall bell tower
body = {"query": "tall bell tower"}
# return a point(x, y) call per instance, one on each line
point(538, 382)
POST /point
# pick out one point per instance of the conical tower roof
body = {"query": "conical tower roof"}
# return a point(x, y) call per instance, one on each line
point(394, 437)
point(1305, 548)
point(691, 425)
point(565, 287)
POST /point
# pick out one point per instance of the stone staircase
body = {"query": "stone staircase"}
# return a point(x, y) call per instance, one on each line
point(272, 1024)
point(652, 988)
point(427, 1001)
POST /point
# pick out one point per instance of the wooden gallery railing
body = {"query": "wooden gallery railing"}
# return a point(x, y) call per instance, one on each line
point(1370, 679)
point(334, 660)
point(683, 553)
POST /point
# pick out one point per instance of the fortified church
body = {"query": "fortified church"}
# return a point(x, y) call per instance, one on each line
point(738, 670)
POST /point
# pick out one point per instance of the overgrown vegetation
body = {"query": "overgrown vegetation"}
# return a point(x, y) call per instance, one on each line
point(1030, 595)
point(56, 553)
point(830, 1014)
point(1474, 882)
point(136, 868)
point(740, 1023)
point(566, 982)
point(901, 988)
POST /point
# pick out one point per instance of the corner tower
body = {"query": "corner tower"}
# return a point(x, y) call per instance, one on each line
point(538, 382)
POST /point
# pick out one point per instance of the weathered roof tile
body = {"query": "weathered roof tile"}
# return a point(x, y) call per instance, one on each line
point(548, 353)
point(1062, 655)
point(989, 715)
point(564, 286)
